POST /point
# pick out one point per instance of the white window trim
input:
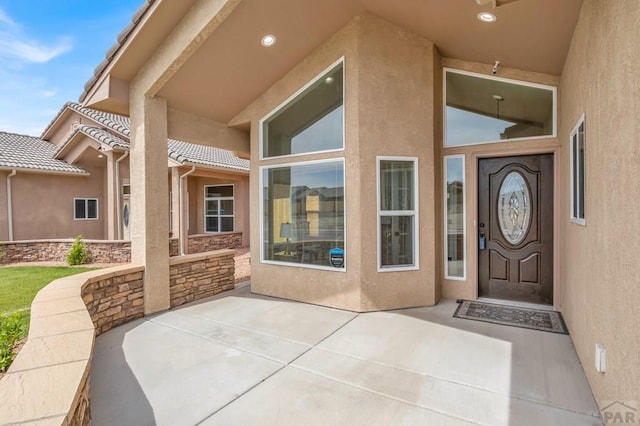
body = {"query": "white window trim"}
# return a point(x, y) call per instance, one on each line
point(572, 196)
point(414, 213)
point(86, 207)
point(464, 219)
point(294, 164)
point(291, 98)
point(553, 89)
point(204, 206)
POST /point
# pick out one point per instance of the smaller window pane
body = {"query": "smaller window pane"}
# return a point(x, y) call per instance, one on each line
point(226, 224)
point(80, 209)
point(396, 246)
point(211, 207)
point(396, 185)
point(211, 224)
point(226, 207)
point(574, 160)
point(219, 191)
point(92, 209)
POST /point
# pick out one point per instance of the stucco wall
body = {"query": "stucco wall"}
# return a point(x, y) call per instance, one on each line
point(600, 273)
point(43, 205)
point(388, 111)
point(4, 229)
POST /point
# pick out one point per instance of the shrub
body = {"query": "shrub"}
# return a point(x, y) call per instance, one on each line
point(11, 331)
point(78, 254)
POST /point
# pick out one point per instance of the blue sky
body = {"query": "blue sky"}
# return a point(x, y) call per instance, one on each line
point(48, 50)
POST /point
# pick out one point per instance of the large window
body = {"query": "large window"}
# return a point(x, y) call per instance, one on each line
point(85, 208)
point(454, 214)
point(482, 109)
point(397, 213)
point(577, 172)
point(303, 214)
point(218, 208)
point(311, 121)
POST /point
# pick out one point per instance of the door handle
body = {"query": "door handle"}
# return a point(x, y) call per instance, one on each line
point(482, 242)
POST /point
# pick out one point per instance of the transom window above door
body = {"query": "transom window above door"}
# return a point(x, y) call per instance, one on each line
point(482, 109)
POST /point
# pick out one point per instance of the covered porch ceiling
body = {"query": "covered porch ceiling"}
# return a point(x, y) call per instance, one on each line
point(230, 68)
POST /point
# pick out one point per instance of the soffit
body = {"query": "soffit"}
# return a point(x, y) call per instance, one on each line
point(231, 69)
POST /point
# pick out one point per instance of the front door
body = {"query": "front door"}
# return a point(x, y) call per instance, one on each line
point(515, 228)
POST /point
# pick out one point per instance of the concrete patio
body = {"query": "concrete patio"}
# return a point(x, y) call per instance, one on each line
point(244, 359)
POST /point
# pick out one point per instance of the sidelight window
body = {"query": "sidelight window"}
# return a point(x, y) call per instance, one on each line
point(397, 185)
point(577, 172)
point(454, 214)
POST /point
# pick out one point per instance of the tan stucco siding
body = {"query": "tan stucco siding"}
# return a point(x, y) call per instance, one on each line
point(389, 83)
point(43, 205)
point(599, 261)
point(4, 227)
point(395, 97)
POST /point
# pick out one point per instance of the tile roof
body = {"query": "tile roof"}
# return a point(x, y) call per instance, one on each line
point(111, 52)
point(28, 152)
point(185, 152)
point(118, 131)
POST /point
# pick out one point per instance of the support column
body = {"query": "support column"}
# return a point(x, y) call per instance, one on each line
point(112, 214)
point(175, 202)
point(149, 201)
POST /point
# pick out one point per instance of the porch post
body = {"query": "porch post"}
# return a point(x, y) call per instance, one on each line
point(149, 201)
point(112, 214)
point(175, 202)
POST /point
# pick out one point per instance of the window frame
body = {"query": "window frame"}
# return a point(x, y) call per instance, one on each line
point(287, 101)
point(445, 220)
point(553, 89)
point(261, 171)
point(219, 216)
point(575, 197)
point(86, 208)
point(394, 213)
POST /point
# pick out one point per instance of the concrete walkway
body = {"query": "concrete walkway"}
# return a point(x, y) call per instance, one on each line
point(242, 359)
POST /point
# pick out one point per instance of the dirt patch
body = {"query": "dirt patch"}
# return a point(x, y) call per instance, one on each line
point(243, 265)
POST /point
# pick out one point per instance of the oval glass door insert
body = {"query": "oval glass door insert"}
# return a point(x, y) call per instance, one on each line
point(514, 208)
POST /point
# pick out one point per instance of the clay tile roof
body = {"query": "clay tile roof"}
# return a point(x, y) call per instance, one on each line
point(28, 152)
point(185, 152)
point(111, 52)
point(103, 136)
point(117, 123)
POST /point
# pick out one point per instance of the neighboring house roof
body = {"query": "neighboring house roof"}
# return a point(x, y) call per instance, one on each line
point(117, 131)
point(184, 152)
point(28, 152)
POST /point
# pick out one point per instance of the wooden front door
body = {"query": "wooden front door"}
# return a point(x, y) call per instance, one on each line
point(515, 228)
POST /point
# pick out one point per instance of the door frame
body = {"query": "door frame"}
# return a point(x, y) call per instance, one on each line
point(472, 245)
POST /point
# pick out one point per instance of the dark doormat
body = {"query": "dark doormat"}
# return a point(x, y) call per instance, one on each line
point(513, 316)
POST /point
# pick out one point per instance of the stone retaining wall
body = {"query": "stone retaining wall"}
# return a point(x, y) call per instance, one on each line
point(104, 251)
point(196, 276)
point(48, 382)
point(209, 242)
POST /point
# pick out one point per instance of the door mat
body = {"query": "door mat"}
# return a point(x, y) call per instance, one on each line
point(513, 316)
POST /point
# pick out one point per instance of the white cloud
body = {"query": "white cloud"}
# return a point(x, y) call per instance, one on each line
point(14, 43)
point(49, 93)
point(6, 20)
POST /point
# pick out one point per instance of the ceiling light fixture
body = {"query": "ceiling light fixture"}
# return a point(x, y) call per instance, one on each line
point(329, 80)
point(268, 40)
point(498, 99)
point(486, 17)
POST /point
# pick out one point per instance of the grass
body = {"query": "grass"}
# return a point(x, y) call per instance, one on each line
point(18, 287)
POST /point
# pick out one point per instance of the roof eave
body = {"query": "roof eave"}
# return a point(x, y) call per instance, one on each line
point(44, 171)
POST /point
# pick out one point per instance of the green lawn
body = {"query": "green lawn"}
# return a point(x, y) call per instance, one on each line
point(18, 287)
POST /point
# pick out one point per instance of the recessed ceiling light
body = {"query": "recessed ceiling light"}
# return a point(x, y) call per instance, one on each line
point(268, 40)
point(329, 80)
point(486, 17)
